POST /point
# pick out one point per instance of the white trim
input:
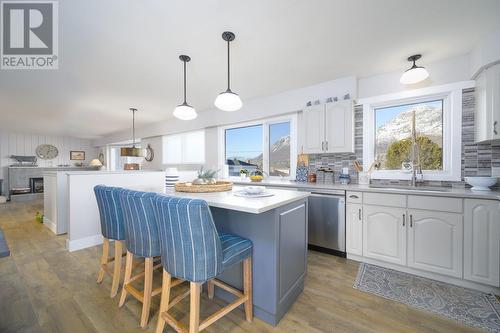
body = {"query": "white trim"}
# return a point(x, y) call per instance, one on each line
point(291, 117)
point(49, 224)
point(83, 243)
point(429, 275)
point(452, 128)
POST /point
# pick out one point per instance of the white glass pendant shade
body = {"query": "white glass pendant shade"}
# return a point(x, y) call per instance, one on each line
point(414, 75)
point(228, 101)
point(185, 112)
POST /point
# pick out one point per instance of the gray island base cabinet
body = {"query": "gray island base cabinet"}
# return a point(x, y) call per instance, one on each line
point(279, 238)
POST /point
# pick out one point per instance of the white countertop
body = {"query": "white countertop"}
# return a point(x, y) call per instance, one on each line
point(446, 192)
point(99, 172)
point(228, 200)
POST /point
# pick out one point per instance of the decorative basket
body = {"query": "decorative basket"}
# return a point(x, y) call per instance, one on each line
point(220, 186)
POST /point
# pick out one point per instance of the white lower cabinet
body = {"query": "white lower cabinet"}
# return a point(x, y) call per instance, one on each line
point(354, 229)
point(435, 241)
point(481, 241)
point(384, 235)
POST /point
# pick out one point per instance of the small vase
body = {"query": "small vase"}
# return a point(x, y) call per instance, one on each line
point(171, 177)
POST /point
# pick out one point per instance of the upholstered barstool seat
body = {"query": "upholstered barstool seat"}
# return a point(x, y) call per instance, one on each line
point(112, 229)
point(142, 240)
point(193, 250)
point(234, 249)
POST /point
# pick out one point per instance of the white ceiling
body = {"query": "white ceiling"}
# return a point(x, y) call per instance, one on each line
point(120, 53)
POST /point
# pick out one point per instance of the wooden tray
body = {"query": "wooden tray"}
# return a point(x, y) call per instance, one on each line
point(221, 186)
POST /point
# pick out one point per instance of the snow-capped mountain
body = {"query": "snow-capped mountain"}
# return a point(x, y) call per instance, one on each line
point(428, 123)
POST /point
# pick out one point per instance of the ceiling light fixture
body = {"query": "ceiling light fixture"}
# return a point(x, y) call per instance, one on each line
point(185, 111)
point(228, 100)
point(131, 151)
point(415, 73)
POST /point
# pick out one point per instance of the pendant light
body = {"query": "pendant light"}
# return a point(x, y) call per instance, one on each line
point(185, 111)
point(228, 100)
point(415, 73)
point(131, 151)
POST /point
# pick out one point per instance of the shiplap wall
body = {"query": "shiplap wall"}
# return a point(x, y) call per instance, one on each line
point(25, 144)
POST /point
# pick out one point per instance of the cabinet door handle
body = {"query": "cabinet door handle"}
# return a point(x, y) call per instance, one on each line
point(323, 145)
point(359, 214)
point(404, 219)
point(495, 127)
point(411, 221)
point(327, 144)
point(353, 196)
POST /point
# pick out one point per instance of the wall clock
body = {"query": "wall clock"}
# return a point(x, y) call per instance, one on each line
point(47, 152)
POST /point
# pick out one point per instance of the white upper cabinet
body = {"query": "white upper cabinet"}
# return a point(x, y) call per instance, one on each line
point(354, 228)
point(339, 127)
point(313, 129)
point(384, 233)
point(328, 128)
point(487, 118)
point(435, 241)
point(481, 241)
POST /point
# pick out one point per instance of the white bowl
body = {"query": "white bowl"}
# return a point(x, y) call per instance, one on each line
point(254, 189)
point(481, 183)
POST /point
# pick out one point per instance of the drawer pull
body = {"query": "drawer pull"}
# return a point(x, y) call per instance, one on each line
point(359, 214)
point(404, 219)
point(411, 221)
point(353, 196)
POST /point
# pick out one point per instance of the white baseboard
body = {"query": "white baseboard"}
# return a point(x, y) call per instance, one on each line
point(83, 243)
point(429, 275)
point(49, 224)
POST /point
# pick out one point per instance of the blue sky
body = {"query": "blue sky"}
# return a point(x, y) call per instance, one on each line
point(383, 115)
point(246, 142)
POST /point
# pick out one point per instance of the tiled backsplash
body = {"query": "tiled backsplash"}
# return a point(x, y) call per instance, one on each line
point(477, 159)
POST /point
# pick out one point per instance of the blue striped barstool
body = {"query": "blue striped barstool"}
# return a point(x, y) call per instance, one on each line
point(141, 234)
point(112, 228)
point(193, 250)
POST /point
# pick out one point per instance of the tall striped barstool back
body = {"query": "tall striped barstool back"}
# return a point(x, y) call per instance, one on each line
point(193, 250)
point(112, 228)
point(142, 240)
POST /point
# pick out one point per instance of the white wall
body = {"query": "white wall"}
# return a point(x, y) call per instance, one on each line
point(485, 53)
point(25, 144)
point(257, 108)
point(447, 71)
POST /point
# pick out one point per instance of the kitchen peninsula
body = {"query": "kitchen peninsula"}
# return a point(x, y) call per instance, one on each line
point(277, 227)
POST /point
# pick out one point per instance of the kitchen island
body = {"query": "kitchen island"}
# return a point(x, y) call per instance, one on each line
point(277, 227)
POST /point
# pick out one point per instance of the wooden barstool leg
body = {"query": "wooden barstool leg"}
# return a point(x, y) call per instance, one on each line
point(117, 267)
point(210, 289)
point(247, 288)
point(128, 272)
point(194, 307)
point(165, 297)
point(148, 289)
point(104, 259)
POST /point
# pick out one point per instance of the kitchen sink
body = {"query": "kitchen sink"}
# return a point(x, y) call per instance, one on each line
point(413, 188)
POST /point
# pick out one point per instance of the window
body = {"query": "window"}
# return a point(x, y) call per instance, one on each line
point(184, 148)
point(387, 124)
point(279, 149)
point(267, 145)
point(244, 149)
point(393, 135)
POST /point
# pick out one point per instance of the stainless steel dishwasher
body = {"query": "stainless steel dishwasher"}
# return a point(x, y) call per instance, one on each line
point(327, 221)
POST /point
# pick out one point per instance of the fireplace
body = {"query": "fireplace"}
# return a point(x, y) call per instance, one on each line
point(36, 185)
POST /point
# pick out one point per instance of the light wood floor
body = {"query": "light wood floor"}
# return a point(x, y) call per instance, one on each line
point(44, 288)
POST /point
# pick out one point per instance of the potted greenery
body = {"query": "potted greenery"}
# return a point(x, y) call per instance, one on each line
point(244, 174)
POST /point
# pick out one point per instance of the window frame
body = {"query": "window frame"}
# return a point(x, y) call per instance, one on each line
point(292, 118)
point(451, 94)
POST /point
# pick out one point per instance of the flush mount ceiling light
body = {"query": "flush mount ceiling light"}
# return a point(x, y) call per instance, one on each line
point(228, 100)
point(131, 151)
point(185, 111)
point(415, 73)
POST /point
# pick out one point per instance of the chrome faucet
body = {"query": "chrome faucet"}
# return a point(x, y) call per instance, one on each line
point(415, 156)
